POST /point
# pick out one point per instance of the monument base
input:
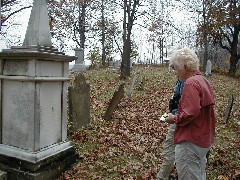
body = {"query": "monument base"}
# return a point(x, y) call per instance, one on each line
point(48, 167)
point(78, 68)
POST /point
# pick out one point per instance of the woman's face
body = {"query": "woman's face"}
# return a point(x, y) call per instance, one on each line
point(180, 72)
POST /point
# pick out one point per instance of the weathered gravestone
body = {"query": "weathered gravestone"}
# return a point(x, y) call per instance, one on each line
point(142, 84)
point(79, 103)
point(117, 64)
point(228, 108)
point(33, 104)
point(117, 96)
point(208, 68)
point(131, 86)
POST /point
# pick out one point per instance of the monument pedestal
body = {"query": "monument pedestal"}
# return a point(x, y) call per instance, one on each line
point(79, 68)
point(48, 163)
point(33, 114)
point(33, 104)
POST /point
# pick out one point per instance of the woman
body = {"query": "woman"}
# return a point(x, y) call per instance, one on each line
point(195, 120)
point(168, 145)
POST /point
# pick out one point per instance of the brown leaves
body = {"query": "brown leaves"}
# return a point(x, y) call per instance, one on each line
point(130, 145)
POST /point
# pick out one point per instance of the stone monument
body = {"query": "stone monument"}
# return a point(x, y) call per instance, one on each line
point(79, 65)
point(33, 104)
point(208, 68)
point(79, 103)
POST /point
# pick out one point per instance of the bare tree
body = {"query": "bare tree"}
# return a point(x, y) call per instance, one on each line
point(224, 29)
point(7, 10)
point(130, 10)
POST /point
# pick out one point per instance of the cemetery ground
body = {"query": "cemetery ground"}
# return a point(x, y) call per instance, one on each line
point(129, 145)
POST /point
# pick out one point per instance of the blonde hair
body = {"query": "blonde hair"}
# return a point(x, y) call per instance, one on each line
point(184, 56)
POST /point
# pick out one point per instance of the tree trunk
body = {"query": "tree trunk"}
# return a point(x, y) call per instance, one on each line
point(103, 36)
point(82, 15)
point(233, 65)
point(127, 29)
point(0, 15)
point(205, 36)
point(125, 66)
point(234, 53)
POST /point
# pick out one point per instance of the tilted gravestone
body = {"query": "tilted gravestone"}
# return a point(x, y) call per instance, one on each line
point(142, 84)
point(228, 108)
point(117, 96)
point(79, 103)
point(131, 86)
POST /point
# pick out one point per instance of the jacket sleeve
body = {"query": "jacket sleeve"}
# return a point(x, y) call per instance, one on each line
point(189, 105)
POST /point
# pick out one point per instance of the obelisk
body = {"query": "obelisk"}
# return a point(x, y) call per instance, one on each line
point(38, 30)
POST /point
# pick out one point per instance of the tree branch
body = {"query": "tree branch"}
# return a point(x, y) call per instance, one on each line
point(15, 12)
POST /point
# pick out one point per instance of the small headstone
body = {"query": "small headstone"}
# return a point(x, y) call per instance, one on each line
point(238, 123)
point(111, 64)
point(117, 64)
point(166, 61)
point(142, 84)
point(117, 96)
point(228, 108)
point(79, 65)
point(130, 89)
point(79, 103)
point(208, 68)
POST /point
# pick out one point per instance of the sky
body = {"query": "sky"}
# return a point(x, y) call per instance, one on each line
point(20, 27)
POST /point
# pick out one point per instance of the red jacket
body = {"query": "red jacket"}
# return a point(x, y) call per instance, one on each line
point(196, 118)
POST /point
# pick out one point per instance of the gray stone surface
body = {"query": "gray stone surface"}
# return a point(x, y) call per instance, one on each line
point(33, 104)
point(117, 64)
point(36, 156)
point(208, 68)
point(228, 108)
point(131, 86)
point(34, 112)
point(117, 96)
point(38, 25)
point(79, 103)
point(79, 65)
point(47, 168)
point(79, 52)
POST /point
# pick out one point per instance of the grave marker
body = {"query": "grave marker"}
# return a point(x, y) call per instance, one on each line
point(79, 65)
point(228, 108)
point(142, 84)
point(131, 86)
point(208, 68)
point(79, 103)
point(117, 96)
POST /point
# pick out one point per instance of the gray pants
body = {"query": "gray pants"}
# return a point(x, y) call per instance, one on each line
point(168, 155)
point(190, 161)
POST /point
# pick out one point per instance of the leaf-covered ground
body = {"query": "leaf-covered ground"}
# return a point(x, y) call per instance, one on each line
point(129, 146)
